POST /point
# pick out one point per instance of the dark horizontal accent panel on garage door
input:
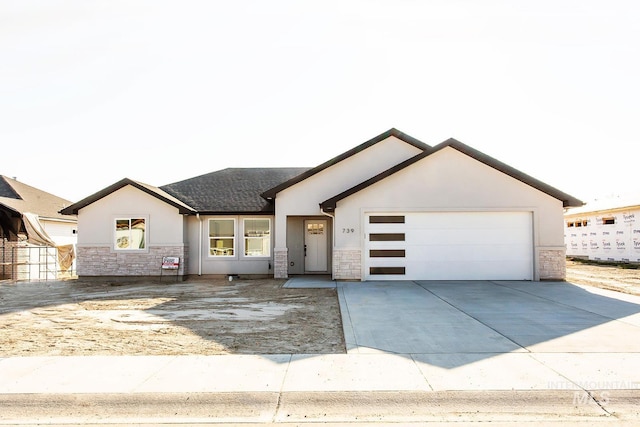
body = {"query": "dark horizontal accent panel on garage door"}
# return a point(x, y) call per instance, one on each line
point(387, 253)
point(386, 237)
point(386, 270)
point(386, 219)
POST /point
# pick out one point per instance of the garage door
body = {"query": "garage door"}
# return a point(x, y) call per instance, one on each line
point(449, 246)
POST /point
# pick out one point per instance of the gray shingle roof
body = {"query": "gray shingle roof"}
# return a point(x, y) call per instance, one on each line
point(232, 190)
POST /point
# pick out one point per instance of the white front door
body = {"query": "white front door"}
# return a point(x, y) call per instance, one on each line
point(315, 245)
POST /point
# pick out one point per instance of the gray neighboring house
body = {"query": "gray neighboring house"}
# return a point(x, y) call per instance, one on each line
point(391, 208)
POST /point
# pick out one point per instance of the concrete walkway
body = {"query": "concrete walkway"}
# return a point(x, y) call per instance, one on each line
point(402, 337)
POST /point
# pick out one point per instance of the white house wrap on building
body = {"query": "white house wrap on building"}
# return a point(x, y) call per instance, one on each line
point(605, 230)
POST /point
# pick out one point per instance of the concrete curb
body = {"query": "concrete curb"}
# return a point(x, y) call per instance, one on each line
point(322, 407)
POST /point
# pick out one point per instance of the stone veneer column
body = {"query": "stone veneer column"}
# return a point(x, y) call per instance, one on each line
point(553, 264)
point(280, 263)
point(347, 264)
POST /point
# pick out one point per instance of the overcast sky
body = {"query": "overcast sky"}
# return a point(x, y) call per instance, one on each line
point(160, 91)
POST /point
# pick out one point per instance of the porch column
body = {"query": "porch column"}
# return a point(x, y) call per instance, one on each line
point(280, 261)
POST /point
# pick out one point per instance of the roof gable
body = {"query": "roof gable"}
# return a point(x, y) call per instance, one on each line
point(22, 198)
point(567, 200)
point(149, 189)
point(271, 193)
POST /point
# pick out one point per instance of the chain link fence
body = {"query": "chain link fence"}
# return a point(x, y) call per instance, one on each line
point(22, 261)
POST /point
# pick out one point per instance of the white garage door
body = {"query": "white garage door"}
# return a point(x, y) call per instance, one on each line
point(449, 246)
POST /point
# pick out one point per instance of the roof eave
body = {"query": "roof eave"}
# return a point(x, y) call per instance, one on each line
point(566, 199)
point(232, 212)
point(74, 208)
point(329, 205)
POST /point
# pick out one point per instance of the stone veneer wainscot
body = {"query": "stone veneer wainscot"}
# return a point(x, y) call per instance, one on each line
point(103, 261)
point(347, 264)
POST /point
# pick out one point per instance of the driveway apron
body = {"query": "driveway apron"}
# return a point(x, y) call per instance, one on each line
point(403, 317)
point(439, 317)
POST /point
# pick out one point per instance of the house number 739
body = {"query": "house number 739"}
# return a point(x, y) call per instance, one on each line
point(348, 230)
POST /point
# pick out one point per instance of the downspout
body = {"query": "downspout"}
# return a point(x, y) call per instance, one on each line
point(333, 229)
point(199, 244)
point(333, 234)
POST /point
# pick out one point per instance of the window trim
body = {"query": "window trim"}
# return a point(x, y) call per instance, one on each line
point(114, 245)
point(233, 238)
point(244, 237)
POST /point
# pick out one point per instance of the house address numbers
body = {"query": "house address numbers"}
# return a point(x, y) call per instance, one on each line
point(348, 230)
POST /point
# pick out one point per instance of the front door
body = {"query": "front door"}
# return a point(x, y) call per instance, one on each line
point(315, 245)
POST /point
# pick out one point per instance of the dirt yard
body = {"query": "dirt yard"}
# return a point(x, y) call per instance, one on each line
point(612, 277)
point(200, 317)
point(76, 317)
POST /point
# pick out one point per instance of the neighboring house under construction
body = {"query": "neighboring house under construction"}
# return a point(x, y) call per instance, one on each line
point(37, 242)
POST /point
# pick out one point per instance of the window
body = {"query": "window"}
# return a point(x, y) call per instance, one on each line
point(130, 234)
point(257, 237)
point(315, 228)
point(387, 270)
point(386, 237)
point(570, 224)
point(387, 253)
point(386, 219)
point(609, 221)
point(222, 234)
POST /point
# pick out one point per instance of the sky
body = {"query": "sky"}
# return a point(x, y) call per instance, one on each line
point(160, 91)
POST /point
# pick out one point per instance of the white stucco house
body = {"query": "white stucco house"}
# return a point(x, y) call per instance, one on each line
point(607, 229)
point(391, 208)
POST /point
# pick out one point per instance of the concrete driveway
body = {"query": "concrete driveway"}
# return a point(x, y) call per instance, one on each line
point(498, 334)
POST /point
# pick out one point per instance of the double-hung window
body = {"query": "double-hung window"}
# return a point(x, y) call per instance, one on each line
point(130, 234)
point(257, 237)
point(222, 235)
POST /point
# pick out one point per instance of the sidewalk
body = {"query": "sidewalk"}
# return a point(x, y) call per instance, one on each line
point(590, 371)
point(321, 373)
point(315, 388)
